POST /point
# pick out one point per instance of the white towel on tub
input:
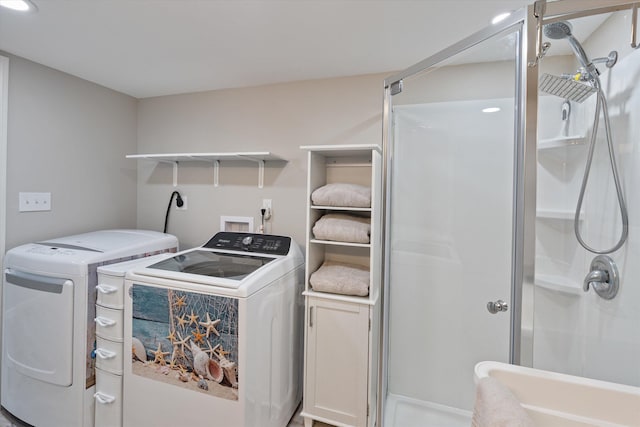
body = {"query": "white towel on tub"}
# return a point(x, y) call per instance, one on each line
point(496, 406)
point(342, 194)
point(341, 278)
point(343, 228)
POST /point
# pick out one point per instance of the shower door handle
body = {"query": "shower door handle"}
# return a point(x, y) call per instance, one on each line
point(495, 306)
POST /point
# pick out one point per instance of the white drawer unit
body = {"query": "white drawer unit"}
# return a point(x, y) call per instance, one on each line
point(109, 323)
point(110, 353)
point(108, 397)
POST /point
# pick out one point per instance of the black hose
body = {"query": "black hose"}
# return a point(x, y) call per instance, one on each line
point(179, 203)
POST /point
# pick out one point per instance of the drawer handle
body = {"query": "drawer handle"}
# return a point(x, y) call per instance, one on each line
point(104, 321)
point(106, 289)
point(105, 354)
point(104, 398)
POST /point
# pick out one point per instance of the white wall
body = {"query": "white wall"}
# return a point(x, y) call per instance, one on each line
point(275, 118)
point(69, 137)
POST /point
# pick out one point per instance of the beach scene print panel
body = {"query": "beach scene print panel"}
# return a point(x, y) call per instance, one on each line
point(186, 339)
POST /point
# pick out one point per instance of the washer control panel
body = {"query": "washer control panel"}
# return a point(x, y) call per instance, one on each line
point(250, 242)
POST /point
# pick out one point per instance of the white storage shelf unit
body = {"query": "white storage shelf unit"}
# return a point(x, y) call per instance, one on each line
point(341, 345)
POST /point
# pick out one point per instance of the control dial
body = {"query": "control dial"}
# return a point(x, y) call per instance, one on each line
point(247, 240)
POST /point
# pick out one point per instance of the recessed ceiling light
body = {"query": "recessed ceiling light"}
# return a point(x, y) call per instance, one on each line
point(491, 110)
point(500, 17)
point(19, 5)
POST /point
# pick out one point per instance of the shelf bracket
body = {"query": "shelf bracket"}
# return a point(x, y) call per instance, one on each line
point(175, 170)
point(175, 174)
point(260, 173)
point(216, 173)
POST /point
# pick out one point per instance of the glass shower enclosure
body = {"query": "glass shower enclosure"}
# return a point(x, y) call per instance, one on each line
point(482, 173)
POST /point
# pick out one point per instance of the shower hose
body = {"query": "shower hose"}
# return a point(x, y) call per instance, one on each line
point(601, 104)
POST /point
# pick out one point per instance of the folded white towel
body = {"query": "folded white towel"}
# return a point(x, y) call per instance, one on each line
point(341, 278)
point(343, 228)
point(342, 194)
point(496, 406)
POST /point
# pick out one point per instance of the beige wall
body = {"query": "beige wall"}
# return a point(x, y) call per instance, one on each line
point(276, 118)
point(69, 137)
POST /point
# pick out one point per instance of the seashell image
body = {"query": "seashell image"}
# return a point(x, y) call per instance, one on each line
point(138, 351)
point(205, 366)
point(203, 384)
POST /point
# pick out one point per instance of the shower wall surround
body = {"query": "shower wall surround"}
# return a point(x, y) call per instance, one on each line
point(576, 332)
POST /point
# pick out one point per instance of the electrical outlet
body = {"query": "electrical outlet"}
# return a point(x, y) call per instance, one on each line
point(184, 204)
point(32, 202)
point(266, 204)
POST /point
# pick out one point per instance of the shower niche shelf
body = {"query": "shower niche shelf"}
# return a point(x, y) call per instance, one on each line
point(558, 284)
point(562, 214)
point(561, 142)
point(341, 331)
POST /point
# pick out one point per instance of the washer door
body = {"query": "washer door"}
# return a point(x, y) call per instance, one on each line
point(38, 326)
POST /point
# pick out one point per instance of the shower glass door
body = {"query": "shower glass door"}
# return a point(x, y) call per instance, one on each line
point(451, 149)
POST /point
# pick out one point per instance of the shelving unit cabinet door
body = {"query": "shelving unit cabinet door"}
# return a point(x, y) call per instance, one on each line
point(337, 361)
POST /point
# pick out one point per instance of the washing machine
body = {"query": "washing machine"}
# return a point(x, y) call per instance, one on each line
point(215, 335)
point(48, 329)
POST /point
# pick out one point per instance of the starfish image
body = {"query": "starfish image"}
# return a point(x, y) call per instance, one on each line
point(193, 318)
point(172, 336)
point(182, 342)
point(159, 355)
point(197, 335)
point(181, 320)
point(212, 350)
point(210, 326)
point(172, 363)
point(180, 301)
point(222, 353)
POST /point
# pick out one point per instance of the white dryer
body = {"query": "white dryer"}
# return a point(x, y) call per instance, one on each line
point(216, 335)
point(48, 329)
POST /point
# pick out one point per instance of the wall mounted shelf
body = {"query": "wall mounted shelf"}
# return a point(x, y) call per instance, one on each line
point(259, 157)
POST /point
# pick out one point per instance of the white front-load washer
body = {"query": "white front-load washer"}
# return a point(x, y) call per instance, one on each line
point(216, 335)
point(48, 329)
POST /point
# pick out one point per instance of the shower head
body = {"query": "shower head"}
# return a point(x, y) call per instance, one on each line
point(562, 30)
point(558, 30)
point(566, 88)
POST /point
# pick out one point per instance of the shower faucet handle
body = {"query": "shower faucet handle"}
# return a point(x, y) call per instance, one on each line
point(495, 306)
point(603, 277)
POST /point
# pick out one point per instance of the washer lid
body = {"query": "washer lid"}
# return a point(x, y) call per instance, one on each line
point(203, 262)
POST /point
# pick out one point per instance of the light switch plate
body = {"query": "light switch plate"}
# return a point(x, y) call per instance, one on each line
point(32, 202)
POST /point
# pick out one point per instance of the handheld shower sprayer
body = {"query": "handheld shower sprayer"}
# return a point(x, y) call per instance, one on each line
point(562, 30)
point(572, 89)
